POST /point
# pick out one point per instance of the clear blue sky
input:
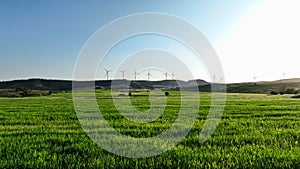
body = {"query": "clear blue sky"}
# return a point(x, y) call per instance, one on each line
point(43, 38)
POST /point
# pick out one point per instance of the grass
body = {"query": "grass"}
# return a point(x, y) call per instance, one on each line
point(256, 131)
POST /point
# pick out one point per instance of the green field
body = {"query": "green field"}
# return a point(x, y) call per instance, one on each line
point(256, 131)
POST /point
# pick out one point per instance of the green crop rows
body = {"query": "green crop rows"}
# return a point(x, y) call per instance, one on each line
point(256, 131)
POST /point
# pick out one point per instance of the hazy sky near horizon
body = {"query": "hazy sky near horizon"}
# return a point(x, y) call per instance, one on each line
point(42, 39)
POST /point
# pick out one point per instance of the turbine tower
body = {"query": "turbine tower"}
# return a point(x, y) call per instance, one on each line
point(214, 78)
point(166, 75)
point(172, 75)
point(135, 74)
point(221, 79)
point(123, 73)
point(107, 71)
point(254, 78)
point(283, 74)
point(149, 74)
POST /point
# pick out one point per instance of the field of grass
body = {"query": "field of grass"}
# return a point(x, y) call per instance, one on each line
point(256, 131)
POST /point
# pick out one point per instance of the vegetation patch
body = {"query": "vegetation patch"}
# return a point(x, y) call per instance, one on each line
point(21, 92)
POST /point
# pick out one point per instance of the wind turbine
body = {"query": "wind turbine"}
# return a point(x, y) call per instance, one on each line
point(107, 71)
point(221, 79)
point(135, 74)
point(166, 75)
point(283, 74)
point(172, 75)
point(214, 78)
point(149, 74)
point(123, 73)
point(254, 78)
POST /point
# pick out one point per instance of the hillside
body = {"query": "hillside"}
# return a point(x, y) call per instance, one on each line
point(66, 85)
point(284, 85)
point(37, 84)
point(289, 86)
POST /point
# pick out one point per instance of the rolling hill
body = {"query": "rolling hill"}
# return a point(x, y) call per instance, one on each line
point(66, 85)
point(284, 85)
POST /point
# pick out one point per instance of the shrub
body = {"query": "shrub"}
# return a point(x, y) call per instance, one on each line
point(129, 94)
point(166, 93)
point(297, 96)
point(274, 93)
point(27, 92)
point(19, 89)
point(290, 91)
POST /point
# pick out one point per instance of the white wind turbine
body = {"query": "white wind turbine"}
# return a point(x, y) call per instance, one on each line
point(221, 79)
point(107, 71)
point(173, 76)
point(166, 75)
point(214, 78)
point(149, 74)
point(254, 78)
point(135, 74)
point(123, 73)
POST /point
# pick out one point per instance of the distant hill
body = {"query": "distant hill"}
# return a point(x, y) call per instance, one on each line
point(290, 85)
point(66, 85)
point(266, 87)
point(37, 84)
